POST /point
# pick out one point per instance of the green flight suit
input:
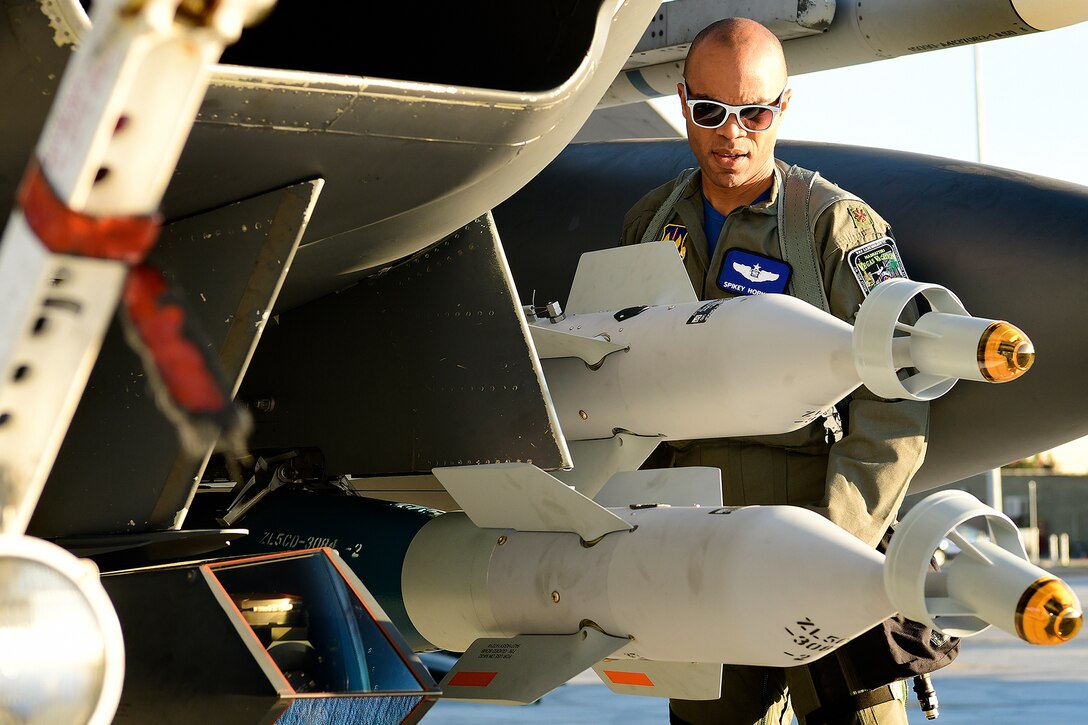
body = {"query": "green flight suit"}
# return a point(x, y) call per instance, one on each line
point(858, 482)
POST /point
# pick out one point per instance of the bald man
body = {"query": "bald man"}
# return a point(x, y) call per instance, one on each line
point(723, 218)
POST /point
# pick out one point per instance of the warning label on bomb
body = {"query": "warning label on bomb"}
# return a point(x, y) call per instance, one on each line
point(702, 314)
point(498, 651)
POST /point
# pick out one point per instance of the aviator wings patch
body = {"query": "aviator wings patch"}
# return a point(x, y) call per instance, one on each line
point(755, 273)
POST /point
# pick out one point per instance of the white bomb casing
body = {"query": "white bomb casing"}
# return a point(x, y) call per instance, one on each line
point(686, 585)
point(534, 575)
point(742, 366)
point(750, 365)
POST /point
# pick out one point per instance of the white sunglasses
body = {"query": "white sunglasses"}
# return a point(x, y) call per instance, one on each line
point(751, 116)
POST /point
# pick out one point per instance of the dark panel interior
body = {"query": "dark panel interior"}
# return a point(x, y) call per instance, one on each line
point(425, 365)
point(513, 46)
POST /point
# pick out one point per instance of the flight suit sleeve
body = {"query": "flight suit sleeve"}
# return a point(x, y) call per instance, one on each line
point(884, 444)
point(638, 218)
point(634, 226)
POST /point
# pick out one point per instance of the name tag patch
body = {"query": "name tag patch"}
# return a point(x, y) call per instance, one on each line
point(748, 273)
point(875, 262)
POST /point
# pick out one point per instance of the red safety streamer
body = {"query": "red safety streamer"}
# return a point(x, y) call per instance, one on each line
point(190, 377)
point(66, 231)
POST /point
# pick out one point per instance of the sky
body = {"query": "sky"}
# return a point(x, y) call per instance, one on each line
point(1032, 104)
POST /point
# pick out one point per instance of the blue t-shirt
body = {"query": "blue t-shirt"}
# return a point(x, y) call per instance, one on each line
point(714, 220)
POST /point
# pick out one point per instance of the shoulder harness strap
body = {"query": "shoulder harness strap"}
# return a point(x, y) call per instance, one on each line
point(796, 239)
point(664, 212)
point(796, 226)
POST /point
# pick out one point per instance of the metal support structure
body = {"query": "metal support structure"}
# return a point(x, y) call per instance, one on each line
point(994, 497)
point(462, 351)
point(231, 263)
point(86, 212)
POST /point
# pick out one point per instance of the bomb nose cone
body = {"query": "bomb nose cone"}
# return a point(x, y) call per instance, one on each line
point(1049, 613)
point(1068, 623)
point(1004, 353)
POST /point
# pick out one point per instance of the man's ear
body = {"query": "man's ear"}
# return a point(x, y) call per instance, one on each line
point(786, 96)
point(683, 101)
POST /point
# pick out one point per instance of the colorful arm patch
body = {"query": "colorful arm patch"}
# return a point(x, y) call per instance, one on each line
point(874, 262)
point(678, 235)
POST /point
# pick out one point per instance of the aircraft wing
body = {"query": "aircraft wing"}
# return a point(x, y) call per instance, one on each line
point(414, 137)
point(827, 34)
point(418, 136)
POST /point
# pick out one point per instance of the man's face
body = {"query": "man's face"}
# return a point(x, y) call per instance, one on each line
point(730, 156)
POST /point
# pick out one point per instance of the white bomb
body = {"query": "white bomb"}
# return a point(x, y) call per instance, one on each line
point(686, 585)
point(690, 584)
point(680, 369)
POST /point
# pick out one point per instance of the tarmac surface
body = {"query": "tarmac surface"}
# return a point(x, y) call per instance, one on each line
point(996, 680)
